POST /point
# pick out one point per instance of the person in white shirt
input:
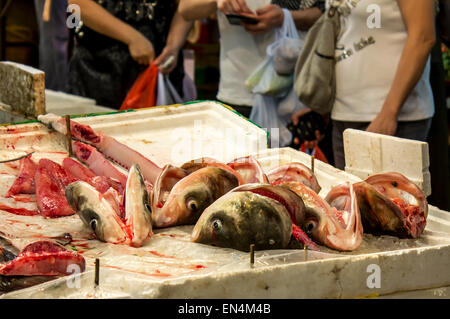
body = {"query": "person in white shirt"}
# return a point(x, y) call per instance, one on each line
point(243, 47)
point(382, 70)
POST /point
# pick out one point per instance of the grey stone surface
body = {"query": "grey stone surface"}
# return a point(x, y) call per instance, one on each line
point(22, 88)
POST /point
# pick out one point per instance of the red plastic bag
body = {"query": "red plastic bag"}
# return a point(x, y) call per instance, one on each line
point(317, 152)
point(143, 92)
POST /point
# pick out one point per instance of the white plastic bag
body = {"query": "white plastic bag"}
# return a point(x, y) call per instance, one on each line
point(264, 79)
point(289, 105)
point(189, 89)
point(167, 94)
point(264, 113)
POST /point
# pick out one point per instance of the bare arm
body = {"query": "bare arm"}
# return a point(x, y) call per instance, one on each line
point(419, 19)
point(304, 19)
point(101, 21)
point(197, 9)
point(179, 30)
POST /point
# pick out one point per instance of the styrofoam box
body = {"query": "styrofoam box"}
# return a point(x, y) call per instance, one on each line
point(369, 153)
point(169, 265)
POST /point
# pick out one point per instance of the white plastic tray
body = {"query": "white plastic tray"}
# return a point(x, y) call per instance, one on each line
point(170, 266)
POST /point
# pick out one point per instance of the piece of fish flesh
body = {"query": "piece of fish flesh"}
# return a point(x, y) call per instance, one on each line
point(339, 226)
point(24, 183)
point(294, 172)
point(43, 258)
point(51, 180)
point(190, 196)
point(101, 183)
point(391, 204)
point(97, 162)
point(107, 145)
point(239, 219)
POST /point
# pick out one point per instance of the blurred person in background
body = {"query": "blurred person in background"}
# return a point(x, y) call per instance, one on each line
point(383, 86)
point(117, 40)
point(438, 142)
point(53, 42)
point(243, 47)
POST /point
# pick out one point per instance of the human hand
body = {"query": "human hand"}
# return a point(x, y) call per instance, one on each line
point(269, 17)
point(141, 49)
point(384, 123)
point(165, 55)
point(233, 6)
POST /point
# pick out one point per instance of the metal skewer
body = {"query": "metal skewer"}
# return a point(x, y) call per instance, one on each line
point(252, 254)
point(17, 158)
point(69, 135)
point(97, 271)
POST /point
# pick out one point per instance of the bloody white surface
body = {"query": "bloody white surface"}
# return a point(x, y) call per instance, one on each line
point(170, 266)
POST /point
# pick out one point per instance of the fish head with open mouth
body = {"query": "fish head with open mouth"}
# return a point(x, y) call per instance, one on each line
point(392, 204)
point(199, 163)
point(334, 222)
point(250, 170)
point(294, 172)
point(96, 212)
point(239, 219)
point(191, 195)
point(138, 214)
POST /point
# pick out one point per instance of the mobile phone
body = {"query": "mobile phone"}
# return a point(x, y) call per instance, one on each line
point(236, 19)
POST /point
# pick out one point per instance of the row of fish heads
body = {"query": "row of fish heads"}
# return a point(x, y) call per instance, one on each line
point(235, 205)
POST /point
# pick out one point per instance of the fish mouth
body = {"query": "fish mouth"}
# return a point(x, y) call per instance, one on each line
point(346, 218)
point(335, 220)
point(408, 198)
point(137, 214)
point(294, 172)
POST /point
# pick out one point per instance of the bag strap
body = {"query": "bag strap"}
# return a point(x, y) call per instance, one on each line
point(288, 28)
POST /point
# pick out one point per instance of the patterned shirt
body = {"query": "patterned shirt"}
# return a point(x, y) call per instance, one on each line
point(300, 4)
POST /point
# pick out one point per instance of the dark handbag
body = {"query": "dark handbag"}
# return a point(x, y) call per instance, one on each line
point(314, 76)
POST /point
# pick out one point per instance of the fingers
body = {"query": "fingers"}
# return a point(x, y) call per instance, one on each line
point(243, 7)
point(295, 117)
point(233, 6)
point(255, 28)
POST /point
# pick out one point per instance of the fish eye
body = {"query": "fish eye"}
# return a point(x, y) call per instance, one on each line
point(192, 205)
point(93, 224)
point(216, 224)
point(310, 226)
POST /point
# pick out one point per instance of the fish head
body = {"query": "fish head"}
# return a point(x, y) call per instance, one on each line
point(96, 212)
point(239, 219)
point(333, 222)
point(406, 196)
point(294, 172)
point(250, 170)
point(286, 197)
point(191, 195)
point(137, 209)
point(345, 218)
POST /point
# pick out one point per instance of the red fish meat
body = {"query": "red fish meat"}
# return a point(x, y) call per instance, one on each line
point(51, 180)
point(44, 258)
point(24, 183)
